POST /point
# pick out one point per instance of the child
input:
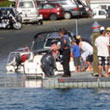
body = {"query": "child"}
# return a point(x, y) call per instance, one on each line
point(76, 55)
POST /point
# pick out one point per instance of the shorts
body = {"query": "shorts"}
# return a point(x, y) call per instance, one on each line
point(103, 60)
point(84, 55)
point(77, 61)
point(89, 58)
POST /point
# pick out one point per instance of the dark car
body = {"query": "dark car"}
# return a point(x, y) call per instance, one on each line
point(51, 11)
point(5, 10)
point(108, 12)
point(72, 8)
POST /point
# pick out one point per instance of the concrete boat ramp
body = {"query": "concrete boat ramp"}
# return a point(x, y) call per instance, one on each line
point(77, 80)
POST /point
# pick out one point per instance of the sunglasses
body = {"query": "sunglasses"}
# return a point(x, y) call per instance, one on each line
point(107, 31)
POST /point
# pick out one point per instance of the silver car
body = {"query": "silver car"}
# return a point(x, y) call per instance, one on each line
point(29, 11)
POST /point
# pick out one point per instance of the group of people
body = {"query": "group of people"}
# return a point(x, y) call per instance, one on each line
point(97, 55)
point(82, 51)
point(65, 46)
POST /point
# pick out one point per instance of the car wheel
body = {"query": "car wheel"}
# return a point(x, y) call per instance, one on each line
point(53, 17)
point(67, 15)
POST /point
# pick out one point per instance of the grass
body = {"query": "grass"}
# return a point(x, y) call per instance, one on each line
point(5, 3)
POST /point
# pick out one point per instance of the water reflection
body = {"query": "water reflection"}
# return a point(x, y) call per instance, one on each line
point(103, 90)
point(18, 81)
point(33, 83)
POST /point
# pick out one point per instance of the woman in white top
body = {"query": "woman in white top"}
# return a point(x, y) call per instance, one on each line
point(86, 54)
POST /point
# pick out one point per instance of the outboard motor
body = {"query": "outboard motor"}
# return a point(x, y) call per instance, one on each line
point(48, 64)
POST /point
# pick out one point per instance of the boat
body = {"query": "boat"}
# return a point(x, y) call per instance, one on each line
point(28, 60)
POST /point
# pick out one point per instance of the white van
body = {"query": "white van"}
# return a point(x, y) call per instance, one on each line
point(29, 11)
point(99, 13)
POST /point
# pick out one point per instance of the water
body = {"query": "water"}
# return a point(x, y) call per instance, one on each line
point(54, 99)
point(18, 93)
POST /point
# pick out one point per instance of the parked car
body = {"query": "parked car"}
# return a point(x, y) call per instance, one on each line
point(108, 12)
point(71, 8)
point(29, 11)
point(99, 13)
point(51, 11)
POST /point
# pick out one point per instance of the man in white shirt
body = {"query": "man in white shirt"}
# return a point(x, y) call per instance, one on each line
point(102, 45)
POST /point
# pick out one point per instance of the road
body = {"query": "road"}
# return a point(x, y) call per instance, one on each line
point(10, 40)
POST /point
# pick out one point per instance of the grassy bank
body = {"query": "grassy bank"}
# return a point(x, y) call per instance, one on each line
point(5, 3)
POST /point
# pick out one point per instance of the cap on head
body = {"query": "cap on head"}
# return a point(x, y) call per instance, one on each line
point(102, 28)
point(96, 27)
point(78, 37)
point(108, 29)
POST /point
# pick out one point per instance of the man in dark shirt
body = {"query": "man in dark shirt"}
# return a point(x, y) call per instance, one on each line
point(65, 51)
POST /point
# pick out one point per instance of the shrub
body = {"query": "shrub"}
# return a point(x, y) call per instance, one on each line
point(5, 3)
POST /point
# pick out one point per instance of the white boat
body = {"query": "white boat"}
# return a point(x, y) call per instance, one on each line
point(28, 61)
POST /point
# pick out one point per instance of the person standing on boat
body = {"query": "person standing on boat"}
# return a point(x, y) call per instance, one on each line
point(64, 49)
point(48, 64)
point(48, 61)
point(102, 45)
point(54, 49)
point(86, 54)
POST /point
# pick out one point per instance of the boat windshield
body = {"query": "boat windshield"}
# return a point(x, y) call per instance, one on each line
point(44, 40)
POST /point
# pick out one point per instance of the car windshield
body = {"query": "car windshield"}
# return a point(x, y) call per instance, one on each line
point(49, 6)
point(44, 40)
point(26, 4)
point(102, 12)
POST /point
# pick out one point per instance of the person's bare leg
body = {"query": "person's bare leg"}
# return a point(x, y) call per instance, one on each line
point(100, 70)
point(109, 69)
point(78, 68)
point(84, 65)
point(106, 71)
point(90, 68)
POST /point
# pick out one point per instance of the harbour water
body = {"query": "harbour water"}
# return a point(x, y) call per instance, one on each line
point(54, 99)
point(18, 93)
